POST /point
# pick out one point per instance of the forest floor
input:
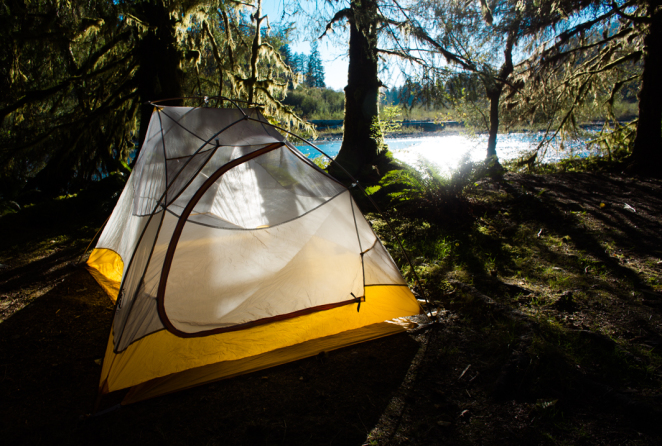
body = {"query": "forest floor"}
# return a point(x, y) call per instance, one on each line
point(548, 330)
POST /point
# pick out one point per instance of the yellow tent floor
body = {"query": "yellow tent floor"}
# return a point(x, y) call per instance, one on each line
point(106, 267)
point(162, 363)
point(228, 369)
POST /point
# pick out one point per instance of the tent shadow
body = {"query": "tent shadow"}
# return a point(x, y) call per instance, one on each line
point(49, 378)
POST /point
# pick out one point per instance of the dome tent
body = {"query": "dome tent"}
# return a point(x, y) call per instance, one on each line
point(229, 252)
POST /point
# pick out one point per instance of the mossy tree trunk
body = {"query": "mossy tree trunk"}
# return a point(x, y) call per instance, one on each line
point(493, 95)
point(494, 88)
point(363, 141)
point(647, 151)
point(159, 75)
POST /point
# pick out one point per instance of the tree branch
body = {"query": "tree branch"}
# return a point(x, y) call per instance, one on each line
point(340, 15)
point(562, 55)
point(635, 19)
point(32, 96)
point(401, 54)
point(38, 95)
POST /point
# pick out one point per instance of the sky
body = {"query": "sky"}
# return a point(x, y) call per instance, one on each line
point(334, 58)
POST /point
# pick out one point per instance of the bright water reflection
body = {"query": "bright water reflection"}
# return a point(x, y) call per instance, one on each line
point(446, 151)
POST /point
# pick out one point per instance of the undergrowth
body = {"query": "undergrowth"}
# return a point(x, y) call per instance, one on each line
point(545, 256)
point(572, 332)
point(424, 192)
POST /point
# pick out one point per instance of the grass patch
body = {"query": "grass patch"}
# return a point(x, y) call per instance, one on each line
point(543, 246)
point(565, 348)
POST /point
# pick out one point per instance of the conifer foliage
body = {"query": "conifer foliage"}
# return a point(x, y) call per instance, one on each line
point(314, 68)
point(75, 77)
point(309, 68)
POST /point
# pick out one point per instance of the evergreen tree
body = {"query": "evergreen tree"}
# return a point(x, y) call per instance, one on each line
point(298, 63)
point(599, 48)
point(314, 68)
point(363, 149)
point(309, 73)
point(74, 77)
point(288, 59)
point(286, 54)
point(391, 96)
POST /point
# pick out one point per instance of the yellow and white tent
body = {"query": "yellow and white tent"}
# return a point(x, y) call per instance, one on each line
point(228, 252)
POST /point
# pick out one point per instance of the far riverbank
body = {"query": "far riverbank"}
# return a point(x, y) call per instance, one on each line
point(449, 147)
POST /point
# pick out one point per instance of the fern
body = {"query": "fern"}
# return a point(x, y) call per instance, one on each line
point(425, 190)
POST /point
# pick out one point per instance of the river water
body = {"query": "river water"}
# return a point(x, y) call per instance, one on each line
point(446, 151)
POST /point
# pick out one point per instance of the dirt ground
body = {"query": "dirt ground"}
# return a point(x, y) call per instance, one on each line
point(553, 339)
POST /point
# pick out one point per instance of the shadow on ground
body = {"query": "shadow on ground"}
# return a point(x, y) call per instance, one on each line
point(557, 342)
point(49, 379)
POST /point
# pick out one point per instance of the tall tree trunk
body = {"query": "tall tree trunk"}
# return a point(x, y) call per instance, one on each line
point(362, 136)
point(647, 152)
point(255, 51)
point(494, 95)
point(494, 88)
point(159, 75)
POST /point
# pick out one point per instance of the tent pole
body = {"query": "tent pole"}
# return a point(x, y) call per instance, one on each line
point(383, 214)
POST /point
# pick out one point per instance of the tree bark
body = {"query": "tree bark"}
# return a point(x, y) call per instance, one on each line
point(647, 152)
point(255, 52)
point(494, 97)
point(159, 75)
point(494, 88)
point(363, 141)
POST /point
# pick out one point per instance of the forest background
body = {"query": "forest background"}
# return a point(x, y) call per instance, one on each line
point(75, 75)
point(543, 281)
